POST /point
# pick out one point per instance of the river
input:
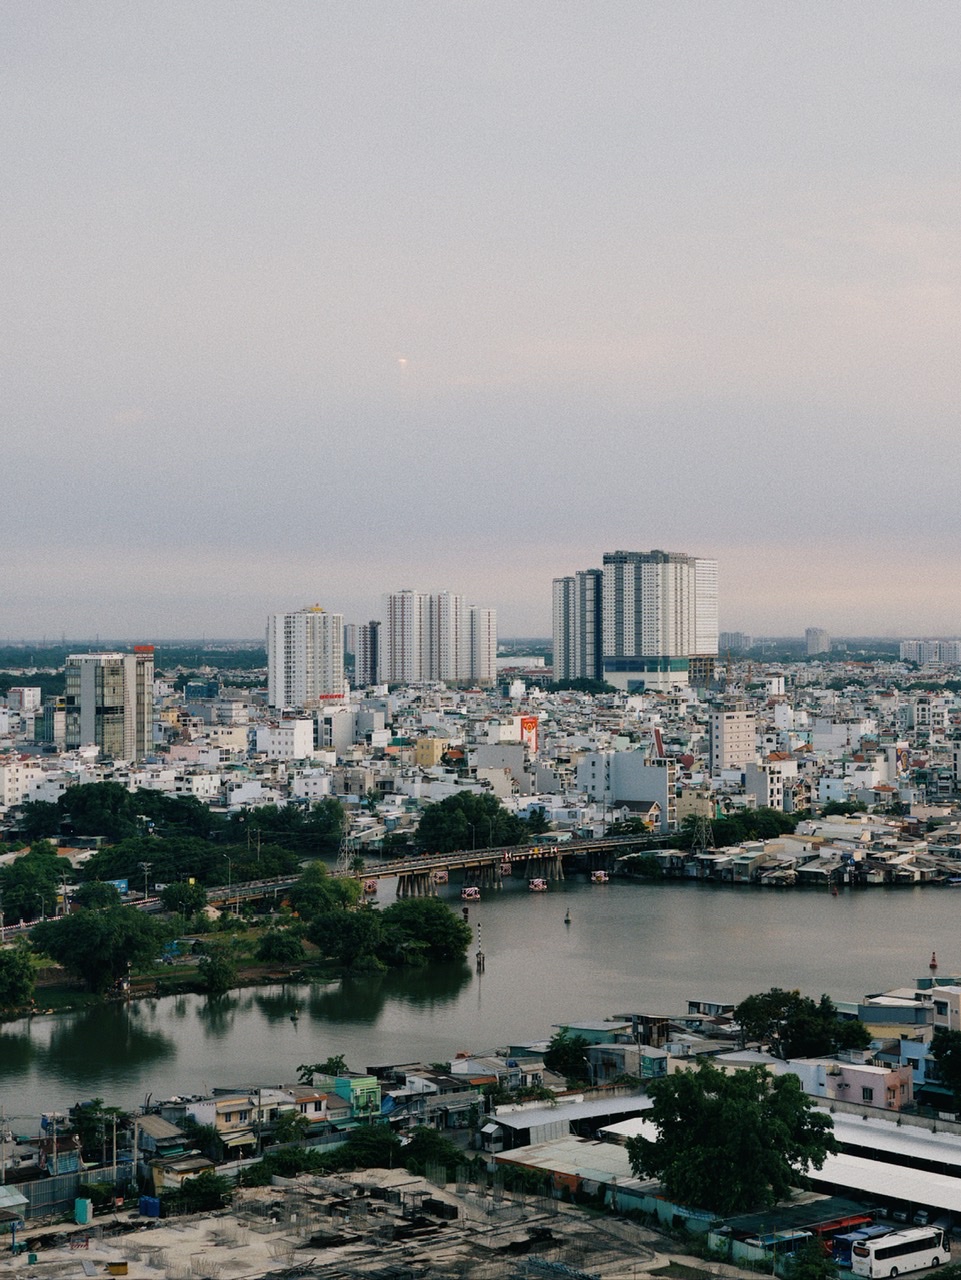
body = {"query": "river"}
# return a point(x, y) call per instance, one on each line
point(630, 947)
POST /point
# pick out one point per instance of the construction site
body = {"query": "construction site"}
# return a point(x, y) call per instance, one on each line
point(374, 1225)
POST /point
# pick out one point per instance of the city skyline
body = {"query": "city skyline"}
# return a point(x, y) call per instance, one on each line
point(303, 302)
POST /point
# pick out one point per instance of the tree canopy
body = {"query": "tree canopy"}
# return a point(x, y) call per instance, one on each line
point(30, 884)
point(794, 1026)
point(946, 1051)
point(567, 1056)
point(731, 1143)
point(16, 977)
point(745, 824)
point(469, 819)
point(98, 945)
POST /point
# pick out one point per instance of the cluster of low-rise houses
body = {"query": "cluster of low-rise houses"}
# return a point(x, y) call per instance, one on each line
point(895, 1121)
point(794, 738)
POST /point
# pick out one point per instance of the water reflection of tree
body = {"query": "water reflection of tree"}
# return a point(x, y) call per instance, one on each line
point(217, 1015)
point(362, 999)
point(279, 1004)
point(104, 1044)
point(17, 1052)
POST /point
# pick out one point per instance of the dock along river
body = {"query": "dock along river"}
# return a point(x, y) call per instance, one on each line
point(629, 947)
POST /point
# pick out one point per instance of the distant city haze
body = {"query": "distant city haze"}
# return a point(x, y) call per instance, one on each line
point(313, 302)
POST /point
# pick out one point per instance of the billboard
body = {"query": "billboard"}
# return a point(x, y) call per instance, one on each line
point(529, 731)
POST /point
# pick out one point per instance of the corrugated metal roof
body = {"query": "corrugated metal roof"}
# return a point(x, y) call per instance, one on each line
point(158, 1128)
point(883, 1135)
point(574, 1111)
point(871, 1177)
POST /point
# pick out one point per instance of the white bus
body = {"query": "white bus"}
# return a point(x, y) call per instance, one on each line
point(901, 1251)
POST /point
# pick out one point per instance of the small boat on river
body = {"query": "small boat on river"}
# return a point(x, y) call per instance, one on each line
point(470, 893)
point(599, 877)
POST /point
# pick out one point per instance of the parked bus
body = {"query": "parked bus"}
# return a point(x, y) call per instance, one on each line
point(901, 1251)
point(842, 1244)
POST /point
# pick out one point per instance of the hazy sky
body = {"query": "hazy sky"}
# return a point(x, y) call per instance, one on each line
point(309, 300)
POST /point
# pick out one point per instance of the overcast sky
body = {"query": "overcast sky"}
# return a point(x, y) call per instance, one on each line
point(310, 300)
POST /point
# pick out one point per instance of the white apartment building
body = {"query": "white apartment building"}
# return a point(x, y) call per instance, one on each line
point(631, 778)
point(25, 699)
point(437, 637)
point(733, 738)
point(286, 740)
point(483, 645)
point(17, 778)
point(816, 640)
point(659, 610)
point(305, 657)
point(769, 780)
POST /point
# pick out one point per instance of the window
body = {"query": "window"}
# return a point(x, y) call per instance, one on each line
point(867, 1095)
point(941, 1008)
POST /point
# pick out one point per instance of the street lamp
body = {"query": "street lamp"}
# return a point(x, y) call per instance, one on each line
point(43, 909)
point(473, 835)
point(145, 868)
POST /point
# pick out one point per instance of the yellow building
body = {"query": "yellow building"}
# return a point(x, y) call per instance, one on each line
point(429, 751)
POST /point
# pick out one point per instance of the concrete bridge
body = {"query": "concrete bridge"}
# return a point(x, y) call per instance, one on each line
point(485, 868)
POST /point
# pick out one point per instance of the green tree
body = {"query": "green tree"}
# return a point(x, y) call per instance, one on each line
point(99, 946)
point(280, 946)
point(183, 897)
point(317, 892)
point(350, 938)
point(99, 809)
point(38, 818)
point(96, 893)
point(16, 977)
point(336, 1065)
point(203, 1194)
point(731, 1143)
point(566, 1055)
point(537, 821)
point(429, 1147)
point(810, 1262)
point(218, 970)
point(94, 1125)
point(946, 1051)
point(30, 884)
point(795, 1027)
point(290, 1126)
point(466, 820)
point(419, 929)
point(204, 1137)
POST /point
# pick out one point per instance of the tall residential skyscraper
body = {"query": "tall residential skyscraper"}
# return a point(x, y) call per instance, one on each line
point(816, 640)
point(483, 645)
point(639, 622)
point(108, 698)
point(305, 657)
point(437, 637)
point(578, 626)
point(368, 658)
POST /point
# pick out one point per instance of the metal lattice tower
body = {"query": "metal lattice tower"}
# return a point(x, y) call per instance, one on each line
point(347, 850)
point(703, 835)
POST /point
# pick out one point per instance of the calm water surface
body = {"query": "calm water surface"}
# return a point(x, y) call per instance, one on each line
point(629, 948)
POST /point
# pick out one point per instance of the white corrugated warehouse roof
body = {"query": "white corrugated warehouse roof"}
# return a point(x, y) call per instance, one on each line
point(870, 1177)
point(884, 1135)
point(572, 1111)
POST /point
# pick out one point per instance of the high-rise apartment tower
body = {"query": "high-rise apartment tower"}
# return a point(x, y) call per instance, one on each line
point(108, 700)
point(305, 657)
point(437, 637)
